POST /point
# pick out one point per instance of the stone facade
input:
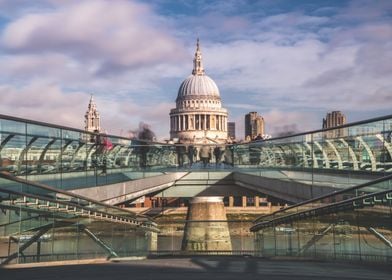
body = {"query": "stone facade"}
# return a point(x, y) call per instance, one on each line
point(198, 116)
point(254, 125)
point(92, 121)
point(212, 232)
point(335, 119)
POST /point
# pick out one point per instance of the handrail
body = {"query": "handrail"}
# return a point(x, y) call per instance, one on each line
point(51, 125)
point(28, 121)
point(382, 118)
point(122, 212)
point(49, 188)
point(314, 210)
point(62, 202)
point(382, 179)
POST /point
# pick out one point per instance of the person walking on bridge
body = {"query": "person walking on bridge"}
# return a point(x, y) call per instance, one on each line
point(217, 155)
point(191, 154)
point(205, 154)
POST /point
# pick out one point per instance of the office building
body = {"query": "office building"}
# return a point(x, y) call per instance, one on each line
point(231, 130)
point(254, 125)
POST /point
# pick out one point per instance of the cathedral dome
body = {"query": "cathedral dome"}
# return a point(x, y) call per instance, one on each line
point(198, 116)
point(198, 87)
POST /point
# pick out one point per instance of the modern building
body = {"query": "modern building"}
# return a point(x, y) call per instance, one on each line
point(254, 125)
point(92, 119)
point(198, 116)
point(231, 130)
point(334, 119)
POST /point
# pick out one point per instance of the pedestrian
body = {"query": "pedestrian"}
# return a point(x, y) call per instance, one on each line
point(217, 155)
point(191, 154)
point(205, 154)
point(181, 151)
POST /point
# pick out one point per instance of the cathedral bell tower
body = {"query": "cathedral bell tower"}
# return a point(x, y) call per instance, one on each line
point(92, 119)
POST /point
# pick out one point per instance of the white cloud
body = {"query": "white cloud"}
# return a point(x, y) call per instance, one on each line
point(112, 36)
point(278, 122)
point(242, 106)
point(44, 103)
point(132, 58)
point(54, 58)
point(48, 103)
point(303, 76)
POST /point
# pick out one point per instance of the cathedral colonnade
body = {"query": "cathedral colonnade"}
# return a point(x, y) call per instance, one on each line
point(198, 121)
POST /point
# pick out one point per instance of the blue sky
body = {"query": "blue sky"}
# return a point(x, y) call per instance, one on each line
point(291, 61)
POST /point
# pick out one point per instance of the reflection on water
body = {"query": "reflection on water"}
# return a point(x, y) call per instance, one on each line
point(173, 243)
point(77, 245)
point(335, 245)
point(171, 235)
point(342, 241)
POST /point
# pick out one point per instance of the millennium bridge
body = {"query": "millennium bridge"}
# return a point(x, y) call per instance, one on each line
point(66, 194)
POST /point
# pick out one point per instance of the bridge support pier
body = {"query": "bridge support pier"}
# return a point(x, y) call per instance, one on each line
point(206, 228)
point(153, 245)
point(231, 201)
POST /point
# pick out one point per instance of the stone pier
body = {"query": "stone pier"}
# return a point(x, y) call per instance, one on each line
point(206, 228)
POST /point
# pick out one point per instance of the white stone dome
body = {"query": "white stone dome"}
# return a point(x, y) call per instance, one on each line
point(198, 116)
point(198, 87)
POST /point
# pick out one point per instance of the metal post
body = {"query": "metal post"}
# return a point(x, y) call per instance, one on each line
point(290, 241)
point(99, 242)
point(312, 153)
point(274, 238)
point(359, 237)
point(334, 242)
point(9, 245)
point(38, 250)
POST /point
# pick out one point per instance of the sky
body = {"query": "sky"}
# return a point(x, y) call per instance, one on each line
point(290, 61)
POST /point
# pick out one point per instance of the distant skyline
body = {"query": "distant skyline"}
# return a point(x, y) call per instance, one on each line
point(290, 61)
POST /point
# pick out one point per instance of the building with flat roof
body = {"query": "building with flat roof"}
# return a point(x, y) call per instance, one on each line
point(334, 119)
point(254, 125)
point(231, 130)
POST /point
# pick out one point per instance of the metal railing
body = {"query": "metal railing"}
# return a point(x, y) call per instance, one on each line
point(29, 147)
